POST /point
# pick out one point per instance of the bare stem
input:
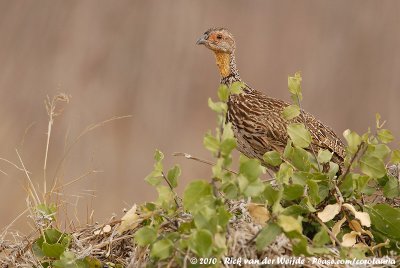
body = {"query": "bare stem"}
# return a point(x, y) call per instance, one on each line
point(327, 229)
point(188, 156)
point(171, 188)
point(306, 125)
point(360, 151)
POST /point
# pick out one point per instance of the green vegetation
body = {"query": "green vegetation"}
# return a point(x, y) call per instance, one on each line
point(306, 201)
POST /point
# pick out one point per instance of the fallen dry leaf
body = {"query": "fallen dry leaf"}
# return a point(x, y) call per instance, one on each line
point(336, 228)
point(329, 212)
point(349, 239)
point(387, 242)
point(362, 216)
point(258, 213)
point(129, 221)
point(107, 229)
point(356, 226)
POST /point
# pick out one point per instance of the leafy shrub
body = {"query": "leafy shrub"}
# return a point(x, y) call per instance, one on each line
point(317, 209)
point(355, 211)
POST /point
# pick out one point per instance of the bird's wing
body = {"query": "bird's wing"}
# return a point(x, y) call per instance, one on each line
point(270, 128)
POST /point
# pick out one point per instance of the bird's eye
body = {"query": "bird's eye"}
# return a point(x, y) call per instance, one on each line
point(219, 36)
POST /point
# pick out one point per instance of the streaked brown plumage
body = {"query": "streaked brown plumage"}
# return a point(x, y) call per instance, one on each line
point(257, 119)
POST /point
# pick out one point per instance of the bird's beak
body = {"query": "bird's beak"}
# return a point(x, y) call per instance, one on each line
point(202, 40)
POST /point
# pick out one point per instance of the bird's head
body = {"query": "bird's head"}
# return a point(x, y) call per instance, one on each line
point(219, 40)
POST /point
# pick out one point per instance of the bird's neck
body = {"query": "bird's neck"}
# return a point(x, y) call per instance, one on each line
point(227, 67)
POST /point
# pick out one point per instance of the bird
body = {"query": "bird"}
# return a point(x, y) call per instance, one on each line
point(257, 121)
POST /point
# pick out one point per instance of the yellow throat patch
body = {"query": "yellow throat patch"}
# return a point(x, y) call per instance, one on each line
point(223, 59)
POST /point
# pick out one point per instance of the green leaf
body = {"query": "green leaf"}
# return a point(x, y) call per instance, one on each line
point(254, 188)
point(194, 192)
point(227, 146)
point(47, 210)
point(292, 192)
point(158, 156)
point(250, 168)
point(53, 250)
point(154, 178)
point(385, 135)
point(313, 191)
point(294, 211)
point(324, 156)
point(237, 87)
point(145, 236)
point(223, 216)
point(361, 182)
point(386, 220)
point(173, 175)
point(299, 135)
point(69, 260)
point(346, 187)
point(267, 235)
point(165, 196)
point(161, 249)
point(211, 143)
point(272, 158)
point(91, 262)
point(391, 188)
point(300, 159)
point(205, 218)
point(372, 166)
point(321, 238)
point(395, 158)
point(37, 247)
point(230, 189)
point(378, 118)
point(380, 151)
point(270, 194)
point(223, 92)
point(289, 224)
point(53, 235)
point(201, 243)
point(306, 203)
point(299, 243)
point(333, 169)
point(291, 112)
point(294, 85)
point(284, 173)
point(218, 107)
point(353, 140)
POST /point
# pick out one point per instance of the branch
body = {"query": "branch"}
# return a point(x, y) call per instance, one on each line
point(188, 156)
point(327, 229)
point(171, 188)
point(360, 151)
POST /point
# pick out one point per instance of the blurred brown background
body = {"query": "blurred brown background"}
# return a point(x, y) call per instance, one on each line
point(140, 58)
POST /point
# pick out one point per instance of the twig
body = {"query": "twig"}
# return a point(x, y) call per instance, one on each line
point(306, 125)
point(360, 150)
point(327, 229)
point(188, 156)
point(254, 237)
point(171, 188)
